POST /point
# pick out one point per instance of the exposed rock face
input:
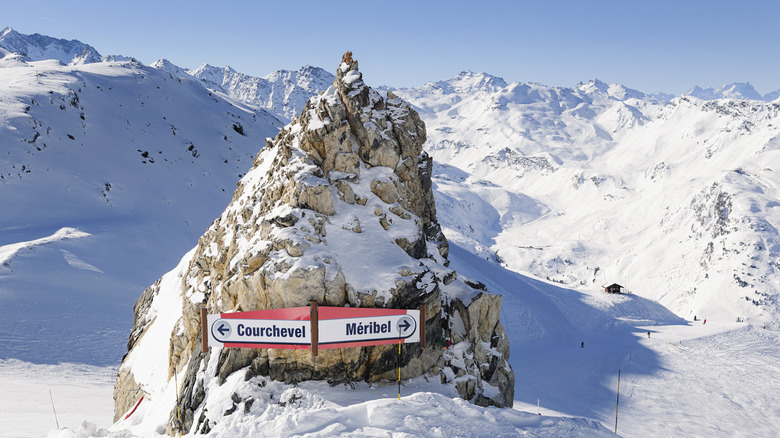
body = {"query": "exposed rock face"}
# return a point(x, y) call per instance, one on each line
point(338, 208)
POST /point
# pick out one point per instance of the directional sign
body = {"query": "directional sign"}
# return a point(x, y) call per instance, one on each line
point(406, 324)
point(276, 328)
point(354, 327)
point(292, 328)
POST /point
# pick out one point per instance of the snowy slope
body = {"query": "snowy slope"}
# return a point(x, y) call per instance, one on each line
point(598, 184)
point(686, 379)
point(584, 185)
point(132, 165)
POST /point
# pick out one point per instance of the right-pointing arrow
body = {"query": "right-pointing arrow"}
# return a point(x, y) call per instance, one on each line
point(404, 325)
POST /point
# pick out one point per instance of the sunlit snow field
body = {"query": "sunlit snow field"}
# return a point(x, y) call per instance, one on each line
point(569, 200)
point(686, 379)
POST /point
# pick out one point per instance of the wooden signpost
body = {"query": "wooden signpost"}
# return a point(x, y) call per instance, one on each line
point(313, 328)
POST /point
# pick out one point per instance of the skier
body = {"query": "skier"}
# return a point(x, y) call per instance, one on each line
point(648, 335)
point(694, 318)
point(705, 321)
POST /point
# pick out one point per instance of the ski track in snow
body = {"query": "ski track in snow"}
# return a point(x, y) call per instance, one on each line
point(9, 251)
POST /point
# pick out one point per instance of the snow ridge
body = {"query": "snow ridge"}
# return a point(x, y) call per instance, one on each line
point(283, 92)
point(118, 151)
point(735, 90)
point(37, 47)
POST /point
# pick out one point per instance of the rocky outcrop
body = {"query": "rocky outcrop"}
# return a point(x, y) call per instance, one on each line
point(337, 208)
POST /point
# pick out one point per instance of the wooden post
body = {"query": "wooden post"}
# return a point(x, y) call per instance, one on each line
point(422, 325)
point(204, 334)
point(314, 320)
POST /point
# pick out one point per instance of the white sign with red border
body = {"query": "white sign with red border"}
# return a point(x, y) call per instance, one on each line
point(293, 328)
point(341, 327)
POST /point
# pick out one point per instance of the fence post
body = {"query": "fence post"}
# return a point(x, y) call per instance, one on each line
point(422, 325)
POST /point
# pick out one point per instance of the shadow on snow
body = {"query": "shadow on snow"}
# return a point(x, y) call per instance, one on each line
point(567, 346)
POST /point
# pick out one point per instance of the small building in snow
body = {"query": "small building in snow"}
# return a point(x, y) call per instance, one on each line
point(614, 288)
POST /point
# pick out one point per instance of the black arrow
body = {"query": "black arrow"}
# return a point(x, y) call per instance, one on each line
point(222, 329)
point(405, 325)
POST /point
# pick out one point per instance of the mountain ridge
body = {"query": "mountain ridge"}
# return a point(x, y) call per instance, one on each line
point(284, 92)
point(118, 151)
point(37, 47)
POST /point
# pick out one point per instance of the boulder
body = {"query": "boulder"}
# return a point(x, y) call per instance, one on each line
point(337, 208)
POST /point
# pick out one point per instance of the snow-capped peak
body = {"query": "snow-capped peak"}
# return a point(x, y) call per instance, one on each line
point(37, 47)
point(615, 91)
point(284, 92)
point(735, 90)
point(468, 81)
point(167, 66)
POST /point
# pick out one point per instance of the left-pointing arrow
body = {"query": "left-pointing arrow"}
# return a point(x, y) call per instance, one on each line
point(221, 330)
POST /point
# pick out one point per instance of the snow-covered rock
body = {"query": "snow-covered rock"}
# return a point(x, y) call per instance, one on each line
point(338, 208)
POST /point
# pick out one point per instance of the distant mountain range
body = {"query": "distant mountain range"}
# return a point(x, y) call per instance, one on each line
point(736, 90)
point(598, 183)
point(675, 198)
point(282, 92)
point(38, 47)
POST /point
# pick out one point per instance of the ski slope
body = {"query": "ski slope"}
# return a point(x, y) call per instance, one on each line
point(109, 174)
point(686, 379)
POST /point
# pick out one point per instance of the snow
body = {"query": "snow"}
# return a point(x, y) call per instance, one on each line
point(83, 218)
point(283, 92)
point(687, 379)
point(7, 252)
point(600, 183)
point(80, 393)
point(545, 194)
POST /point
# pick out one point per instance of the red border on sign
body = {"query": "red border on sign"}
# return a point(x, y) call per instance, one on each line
point(326, 312)
point(274, 346)
point(323, 313)
point(290, 313)
point(360, 344)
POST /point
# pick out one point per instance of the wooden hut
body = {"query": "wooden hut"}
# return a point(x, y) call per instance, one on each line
point(614, 288)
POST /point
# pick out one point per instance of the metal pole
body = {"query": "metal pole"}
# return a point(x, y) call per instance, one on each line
point(617, 405)
point(399, 363)
point(55, 411)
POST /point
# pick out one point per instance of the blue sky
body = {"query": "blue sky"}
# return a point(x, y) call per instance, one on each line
point(650, 45)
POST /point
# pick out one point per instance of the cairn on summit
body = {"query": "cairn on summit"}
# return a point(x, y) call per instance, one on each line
point(337, 208)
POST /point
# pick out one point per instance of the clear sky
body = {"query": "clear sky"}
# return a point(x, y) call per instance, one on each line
point(650, 45)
